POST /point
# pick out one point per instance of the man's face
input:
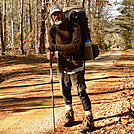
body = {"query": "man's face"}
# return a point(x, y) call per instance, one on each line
point(57, 17)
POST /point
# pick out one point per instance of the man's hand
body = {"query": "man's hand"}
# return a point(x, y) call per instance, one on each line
point(51, 46)
point(47, 45)
point(50, 55)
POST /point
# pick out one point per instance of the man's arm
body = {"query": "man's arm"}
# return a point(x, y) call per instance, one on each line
point(75, 44)
point(72, 47)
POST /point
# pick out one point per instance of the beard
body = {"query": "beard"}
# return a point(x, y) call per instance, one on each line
point(58, 22)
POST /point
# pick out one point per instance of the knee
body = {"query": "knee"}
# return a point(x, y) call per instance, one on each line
point(82, 93)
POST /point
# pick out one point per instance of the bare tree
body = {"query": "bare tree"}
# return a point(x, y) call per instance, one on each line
point(4, 27)
point(28, 33)
point(1, 34)
point(21, 28)
point(36, 28)
point(43, 18)
point(12, 25)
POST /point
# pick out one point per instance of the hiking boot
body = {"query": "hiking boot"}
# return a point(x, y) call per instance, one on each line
point(69, 119)
point(87, 124)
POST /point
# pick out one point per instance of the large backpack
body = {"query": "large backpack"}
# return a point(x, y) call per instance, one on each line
point(78, 15)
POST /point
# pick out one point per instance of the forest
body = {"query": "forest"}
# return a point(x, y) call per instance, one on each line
point(24, 24)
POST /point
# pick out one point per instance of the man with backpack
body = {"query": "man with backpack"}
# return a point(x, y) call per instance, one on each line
point(67, 41)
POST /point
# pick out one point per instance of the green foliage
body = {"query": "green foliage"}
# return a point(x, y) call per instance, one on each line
point(105, 47)
point(0, 3)
point(125, 21)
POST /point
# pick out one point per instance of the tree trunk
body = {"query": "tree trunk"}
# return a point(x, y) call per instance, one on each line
point(36, 29)
point(1, 34)
point(30, 17)
point(4, 27)
point(21, 28)
point(12, 25)
point(83, 3)
point(42, 35)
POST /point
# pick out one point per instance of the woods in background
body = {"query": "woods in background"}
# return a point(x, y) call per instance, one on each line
point(24, 23)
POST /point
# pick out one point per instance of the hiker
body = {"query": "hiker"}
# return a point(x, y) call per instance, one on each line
point(70, 66)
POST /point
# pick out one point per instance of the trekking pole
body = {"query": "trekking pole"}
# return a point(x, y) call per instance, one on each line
point(51, 79)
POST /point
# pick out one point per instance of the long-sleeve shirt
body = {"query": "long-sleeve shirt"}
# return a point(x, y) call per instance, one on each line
point(67, 44)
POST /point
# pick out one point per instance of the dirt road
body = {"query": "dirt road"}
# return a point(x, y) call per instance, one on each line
point(25, 94)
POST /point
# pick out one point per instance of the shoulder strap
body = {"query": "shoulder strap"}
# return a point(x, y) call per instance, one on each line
point(71, 25)
point(53, 33)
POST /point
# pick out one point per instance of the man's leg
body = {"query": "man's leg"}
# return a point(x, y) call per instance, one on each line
point(79, 83)
point(65, 86)
point(88, 123)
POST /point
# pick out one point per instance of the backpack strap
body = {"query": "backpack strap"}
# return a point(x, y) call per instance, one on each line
point(53, 33)
point(71, 25)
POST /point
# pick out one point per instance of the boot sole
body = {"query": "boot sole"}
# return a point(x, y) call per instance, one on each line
point(85, 131)
point(70, 125)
